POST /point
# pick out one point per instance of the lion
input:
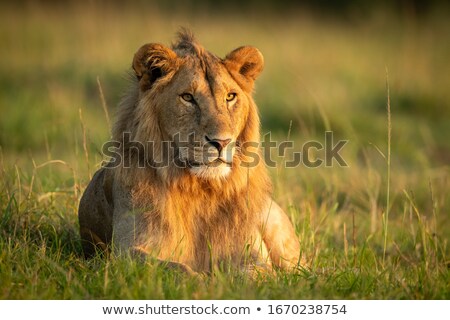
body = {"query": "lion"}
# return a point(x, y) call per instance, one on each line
point(211, 204)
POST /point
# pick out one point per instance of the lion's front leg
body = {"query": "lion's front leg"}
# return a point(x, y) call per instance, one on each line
point(257, 262)
point(144, 255)
point(280, 238)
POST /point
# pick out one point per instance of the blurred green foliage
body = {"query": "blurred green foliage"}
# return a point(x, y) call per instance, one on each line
point(325, 69)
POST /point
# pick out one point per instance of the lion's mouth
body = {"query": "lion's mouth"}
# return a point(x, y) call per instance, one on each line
point(215, 163)
point(218, 162)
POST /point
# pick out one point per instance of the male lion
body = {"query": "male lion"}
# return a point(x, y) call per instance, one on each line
point(211, 204)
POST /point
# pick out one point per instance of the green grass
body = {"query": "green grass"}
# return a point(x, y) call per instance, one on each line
point(320, 74)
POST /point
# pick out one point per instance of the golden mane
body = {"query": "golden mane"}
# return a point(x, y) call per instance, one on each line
point(229, 203)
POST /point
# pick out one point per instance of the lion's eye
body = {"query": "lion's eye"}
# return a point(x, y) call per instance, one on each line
point(187, 97)
point(231, 96)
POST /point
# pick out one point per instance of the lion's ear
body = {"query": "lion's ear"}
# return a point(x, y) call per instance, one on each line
point(152, 61)
point(247, 62)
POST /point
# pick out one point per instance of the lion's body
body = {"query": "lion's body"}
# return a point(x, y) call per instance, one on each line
point(199, 215)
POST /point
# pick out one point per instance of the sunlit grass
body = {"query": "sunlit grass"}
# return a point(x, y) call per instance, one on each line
point(320, 74)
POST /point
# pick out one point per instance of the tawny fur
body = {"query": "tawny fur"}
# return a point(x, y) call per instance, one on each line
point(171, 213)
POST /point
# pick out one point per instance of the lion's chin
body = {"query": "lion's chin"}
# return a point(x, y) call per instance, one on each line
point(211, 172)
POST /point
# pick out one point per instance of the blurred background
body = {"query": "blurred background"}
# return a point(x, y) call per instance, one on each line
point(326, 69)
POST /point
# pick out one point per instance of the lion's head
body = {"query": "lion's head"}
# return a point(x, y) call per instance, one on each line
point(196, 108)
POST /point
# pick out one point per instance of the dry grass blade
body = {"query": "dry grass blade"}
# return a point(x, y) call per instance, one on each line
point(388, 160)
point(104, 105)
point(85, 148)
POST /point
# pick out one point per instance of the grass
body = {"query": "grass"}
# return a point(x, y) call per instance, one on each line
point(60, 69)
point(388, 163)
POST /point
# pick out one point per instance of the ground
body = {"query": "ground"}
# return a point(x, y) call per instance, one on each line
point(366, 236)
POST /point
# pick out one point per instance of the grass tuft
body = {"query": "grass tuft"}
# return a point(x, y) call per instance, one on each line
point(368, 234)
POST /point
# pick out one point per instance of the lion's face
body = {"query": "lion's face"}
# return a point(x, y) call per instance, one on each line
point(204, 116)
point(202, 102)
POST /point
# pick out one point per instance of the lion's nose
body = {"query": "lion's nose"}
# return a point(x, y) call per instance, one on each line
point(218, 143)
